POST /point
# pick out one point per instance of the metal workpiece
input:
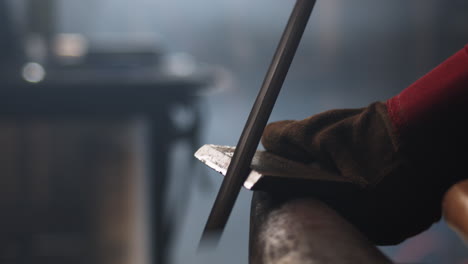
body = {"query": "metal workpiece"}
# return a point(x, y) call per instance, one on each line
point(271, 172)
point(239, 168)
point(287, 225)
point(306, 231)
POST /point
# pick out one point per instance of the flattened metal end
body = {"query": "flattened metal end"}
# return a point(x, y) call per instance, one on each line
point(219, 157)
point(216, 157)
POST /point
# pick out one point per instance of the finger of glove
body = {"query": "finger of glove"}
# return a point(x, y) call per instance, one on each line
point(278, 139)
point(303, 140)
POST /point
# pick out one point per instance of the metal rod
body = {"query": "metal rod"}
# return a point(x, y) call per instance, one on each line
point(258, 118)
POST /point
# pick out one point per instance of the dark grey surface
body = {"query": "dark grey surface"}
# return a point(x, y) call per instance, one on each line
point(360, 51)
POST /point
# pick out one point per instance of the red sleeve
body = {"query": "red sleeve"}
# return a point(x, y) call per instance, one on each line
point(433, 101)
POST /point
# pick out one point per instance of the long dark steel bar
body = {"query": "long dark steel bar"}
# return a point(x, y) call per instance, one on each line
point(261, 110)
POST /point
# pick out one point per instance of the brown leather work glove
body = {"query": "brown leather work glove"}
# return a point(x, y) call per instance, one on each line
point(399, 196)
point(403, 154)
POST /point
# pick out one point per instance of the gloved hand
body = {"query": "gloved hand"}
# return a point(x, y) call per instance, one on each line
point(400, 195)
point(404, 154)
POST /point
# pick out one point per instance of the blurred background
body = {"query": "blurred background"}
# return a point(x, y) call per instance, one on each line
point(103, 103)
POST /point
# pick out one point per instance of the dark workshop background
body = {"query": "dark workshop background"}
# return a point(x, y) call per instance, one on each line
point(216, 52)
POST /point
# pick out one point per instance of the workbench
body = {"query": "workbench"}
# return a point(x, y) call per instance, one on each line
point(72, 149)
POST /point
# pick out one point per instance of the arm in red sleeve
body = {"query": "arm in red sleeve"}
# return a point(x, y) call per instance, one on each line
point(437, 100)
point(430, 120)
